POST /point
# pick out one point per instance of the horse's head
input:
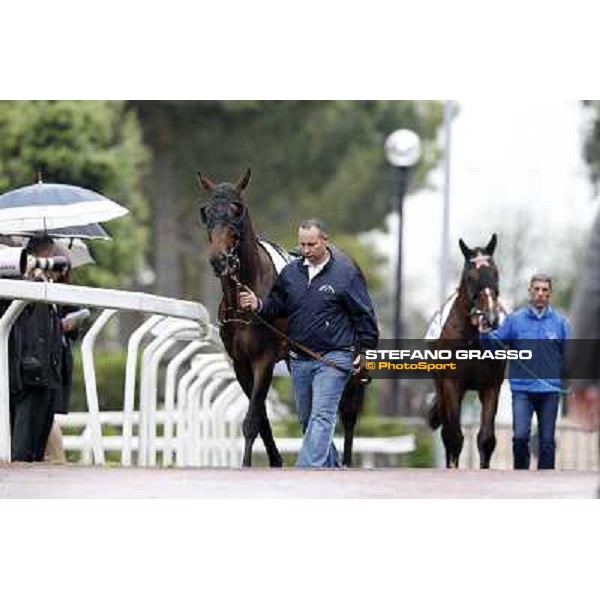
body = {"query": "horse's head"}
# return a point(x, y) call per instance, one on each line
point(480, 281)
point(225, 218)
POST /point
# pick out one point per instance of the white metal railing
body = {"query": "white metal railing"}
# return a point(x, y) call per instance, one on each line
point(576, 448)
point(225, 448)
point(190, 316)
point(200, 423)
point(203, 410)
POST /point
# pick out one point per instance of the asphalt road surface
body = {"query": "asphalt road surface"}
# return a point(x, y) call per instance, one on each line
point(58, 481)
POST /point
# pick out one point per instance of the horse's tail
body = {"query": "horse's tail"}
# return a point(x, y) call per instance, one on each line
point(433, 415)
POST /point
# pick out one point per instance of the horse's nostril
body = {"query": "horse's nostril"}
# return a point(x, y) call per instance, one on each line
point(218, 264)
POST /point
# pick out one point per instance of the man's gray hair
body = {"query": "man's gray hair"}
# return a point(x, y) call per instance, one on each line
point(541, 277)
point(317, 223)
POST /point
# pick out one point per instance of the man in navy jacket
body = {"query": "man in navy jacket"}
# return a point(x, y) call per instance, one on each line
point(325, 298)
point(535, 384)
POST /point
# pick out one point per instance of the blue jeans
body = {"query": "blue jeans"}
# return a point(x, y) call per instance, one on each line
point(545, 406)
point(318, 389)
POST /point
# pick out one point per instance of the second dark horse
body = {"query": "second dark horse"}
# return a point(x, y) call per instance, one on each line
point(237, 258)
point(477, 297)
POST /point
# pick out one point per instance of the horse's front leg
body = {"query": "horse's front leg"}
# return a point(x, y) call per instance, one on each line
point(449, 409)
point(265, 375)
point(256, 420)
point(266, 435)
point(486, 438)
point(350, 406)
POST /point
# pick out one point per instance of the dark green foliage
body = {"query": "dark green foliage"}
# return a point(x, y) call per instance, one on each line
point(591, 148)
point(309, 158)
point(110, 380)
point(375, 426)
point(93, 144)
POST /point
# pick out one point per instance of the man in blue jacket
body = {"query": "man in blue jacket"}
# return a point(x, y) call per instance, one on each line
point(325, 298)
point(535, 383)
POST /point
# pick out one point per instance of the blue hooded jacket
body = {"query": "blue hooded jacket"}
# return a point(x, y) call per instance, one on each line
point(331, 312)
point(541, 374)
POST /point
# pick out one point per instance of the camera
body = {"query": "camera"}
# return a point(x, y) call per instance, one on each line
point(55, 264)
point(16, 262)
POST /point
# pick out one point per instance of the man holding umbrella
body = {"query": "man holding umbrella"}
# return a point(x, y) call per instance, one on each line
point(35, 374)
point(71, 318)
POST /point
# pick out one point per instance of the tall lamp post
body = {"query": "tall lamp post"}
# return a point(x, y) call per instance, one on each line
point(403, 151)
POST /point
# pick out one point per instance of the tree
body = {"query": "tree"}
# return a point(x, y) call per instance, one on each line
point(320, 159)
point(93, 144)
point(591, 146)
point(523, 250)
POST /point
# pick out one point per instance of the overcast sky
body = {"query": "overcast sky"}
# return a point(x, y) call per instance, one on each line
point(509, 161)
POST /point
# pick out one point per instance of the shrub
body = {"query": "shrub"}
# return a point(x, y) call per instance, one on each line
point(110, 380)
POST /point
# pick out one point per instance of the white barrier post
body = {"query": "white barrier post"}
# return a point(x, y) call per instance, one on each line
point(182, 386)
point(200, 396)
point(148, 388)
point(201, 362)
point(6, 322)
point(198, 402)
point(91, 391)
point(130, 377)
point(112, 300)
point(227, 399)
point(174, 365)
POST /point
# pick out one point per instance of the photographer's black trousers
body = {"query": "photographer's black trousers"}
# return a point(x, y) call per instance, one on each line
point(31, 416)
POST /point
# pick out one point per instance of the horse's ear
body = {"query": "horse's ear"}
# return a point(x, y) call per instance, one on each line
point(243, 182)
point(467, 252)
point(206, 183)
point(489, 249)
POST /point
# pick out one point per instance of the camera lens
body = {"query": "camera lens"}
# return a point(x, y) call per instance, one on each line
point(58, 263)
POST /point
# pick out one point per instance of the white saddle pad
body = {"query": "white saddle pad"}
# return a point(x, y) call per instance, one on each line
point(434, 330)
point(279, 257)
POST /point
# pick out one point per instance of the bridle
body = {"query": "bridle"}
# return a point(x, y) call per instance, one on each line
point(218, 213)
point(365, 378)
point(222, 210)
point(478, 262)
point(211, 218)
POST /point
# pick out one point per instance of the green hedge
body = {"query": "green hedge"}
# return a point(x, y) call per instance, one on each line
point(375, 426)
point(110, 380)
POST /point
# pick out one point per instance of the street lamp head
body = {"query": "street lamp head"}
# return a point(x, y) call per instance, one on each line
point(403, 148)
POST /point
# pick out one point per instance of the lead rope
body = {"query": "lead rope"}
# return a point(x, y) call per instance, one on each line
point(294, 344)
point(553, 388)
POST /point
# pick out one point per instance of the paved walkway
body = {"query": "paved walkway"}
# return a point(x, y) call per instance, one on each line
point(54, 481)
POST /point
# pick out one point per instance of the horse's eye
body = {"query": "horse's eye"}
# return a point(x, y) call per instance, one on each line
point(203, 214)
point(236, 209)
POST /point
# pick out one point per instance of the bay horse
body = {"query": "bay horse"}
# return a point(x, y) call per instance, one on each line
point(238, 258)
point(477, 296)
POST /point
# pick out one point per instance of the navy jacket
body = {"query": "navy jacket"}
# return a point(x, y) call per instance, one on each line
point(35, 347)
point(331, 312)
point(541, 374)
